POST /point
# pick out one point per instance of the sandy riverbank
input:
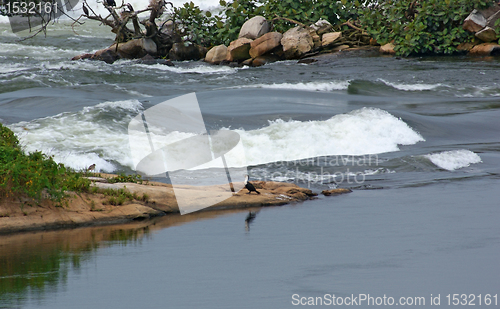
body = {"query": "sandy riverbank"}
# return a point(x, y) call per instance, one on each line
point(88, 209)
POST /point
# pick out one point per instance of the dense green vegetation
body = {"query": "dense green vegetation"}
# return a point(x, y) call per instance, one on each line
point(415, 26)
point(420, 27)
point(212, 29)
point(34, 175)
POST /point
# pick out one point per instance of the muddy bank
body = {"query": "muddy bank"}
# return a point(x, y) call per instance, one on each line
point(151, 199)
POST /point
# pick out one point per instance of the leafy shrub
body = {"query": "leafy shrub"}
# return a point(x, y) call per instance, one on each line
point(419, 27)
point(210, 29)
point(34, 174)
point(193, 24)
point(306, 12)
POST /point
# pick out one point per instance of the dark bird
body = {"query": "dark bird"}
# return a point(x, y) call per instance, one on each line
point(111, 2)
point(91, 168)
point(130, 7)
point(249, 186)
point(85, 10)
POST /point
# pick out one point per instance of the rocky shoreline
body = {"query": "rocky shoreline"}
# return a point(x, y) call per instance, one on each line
point(257, 44)
point(152, 199)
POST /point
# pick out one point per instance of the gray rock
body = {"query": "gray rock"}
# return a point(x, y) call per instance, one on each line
point(254, 28)
point(474, 22)
point(330, 38)
point(216, 54)
point(487, 35)
point(181, 52)
point(296, 42)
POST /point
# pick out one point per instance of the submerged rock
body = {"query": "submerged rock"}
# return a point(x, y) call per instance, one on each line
point(82, 56)
point(182, 52)
point(264, 59)
point(334, 192)
point(148, 59)
point(107, 55)
point(254, 28)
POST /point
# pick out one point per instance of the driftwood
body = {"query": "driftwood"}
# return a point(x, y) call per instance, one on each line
point(118, 21)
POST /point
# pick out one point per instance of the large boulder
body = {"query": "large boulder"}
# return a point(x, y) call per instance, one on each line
point(182, 52)
point(296, 42)
point(474, 22)
point(136, 48)
point(238, 50)
point(254, 28)
point(485, 49)
point(265, 44)
point(330, 38)
point(487, 35)
point(216, 54)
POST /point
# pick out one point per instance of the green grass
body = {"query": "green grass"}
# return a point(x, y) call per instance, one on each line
point(38, 176)
point(34, 175)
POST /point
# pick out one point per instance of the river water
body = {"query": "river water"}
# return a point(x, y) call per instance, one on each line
point(415, 139)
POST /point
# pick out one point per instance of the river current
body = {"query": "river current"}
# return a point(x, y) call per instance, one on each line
point(416, 139)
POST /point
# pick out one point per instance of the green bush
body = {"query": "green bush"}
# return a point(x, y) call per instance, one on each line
point(415, 26)
point(34, 174)
point(306, 12)
point(210, 29)
point(419, 27)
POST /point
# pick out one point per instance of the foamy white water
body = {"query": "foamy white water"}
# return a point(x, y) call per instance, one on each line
point(411, 87)
point(200, 69)
point(37, 52)
point(455, 159)
point(310, 86)
point(84, 138)
point(81, 139)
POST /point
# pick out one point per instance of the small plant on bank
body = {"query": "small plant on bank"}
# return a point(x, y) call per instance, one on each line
point(126, 178)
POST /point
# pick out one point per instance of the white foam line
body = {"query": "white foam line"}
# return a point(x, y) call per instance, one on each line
point(311, 86)
point(411, 87)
